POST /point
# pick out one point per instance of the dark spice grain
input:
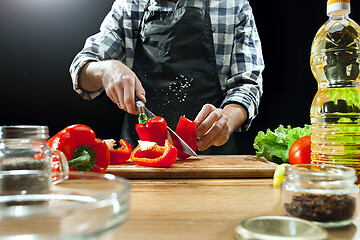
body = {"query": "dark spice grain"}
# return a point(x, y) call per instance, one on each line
point(27, 183)
point(322, 207)
point(22, 184)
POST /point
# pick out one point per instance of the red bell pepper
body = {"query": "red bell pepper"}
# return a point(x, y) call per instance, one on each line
point(82, 149)
point(186, 131)
point(154, 130)
point(121, 154)
point(152, 155)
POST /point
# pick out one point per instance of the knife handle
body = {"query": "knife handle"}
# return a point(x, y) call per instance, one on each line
point(139, 106)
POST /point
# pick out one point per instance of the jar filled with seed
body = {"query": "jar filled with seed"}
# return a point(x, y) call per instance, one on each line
point(26, 163)
point(325, 194)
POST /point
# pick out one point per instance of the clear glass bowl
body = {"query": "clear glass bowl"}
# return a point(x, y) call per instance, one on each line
point(85, 206)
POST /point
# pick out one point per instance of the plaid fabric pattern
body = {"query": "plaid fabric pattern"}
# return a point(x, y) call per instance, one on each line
point(236, 42)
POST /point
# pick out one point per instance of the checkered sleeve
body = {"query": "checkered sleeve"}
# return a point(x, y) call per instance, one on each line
point(107, 44)
point(246, 66)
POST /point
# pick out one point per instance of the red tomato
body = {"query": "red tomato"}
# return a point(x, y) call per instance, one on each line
point(300, 151)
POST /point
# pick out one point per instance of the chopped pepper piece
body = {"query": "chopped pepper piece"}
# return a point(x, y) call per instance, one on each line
point(121, 154)
point(82, 149)
point(279, 174)
point(151, 154)
point(154, 130)
point(186, 130)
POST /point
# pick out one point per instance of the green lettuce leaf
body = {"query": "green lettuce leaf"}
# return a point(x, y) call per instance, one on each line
point(275, 145)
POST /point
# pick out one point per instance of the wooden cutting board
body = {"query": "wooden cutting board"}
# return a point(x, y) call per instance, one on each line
point(203, 166)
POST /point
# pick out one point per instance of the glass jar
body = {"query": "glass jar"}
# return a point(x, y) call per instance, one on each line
point(325, 194)
point(26, 163)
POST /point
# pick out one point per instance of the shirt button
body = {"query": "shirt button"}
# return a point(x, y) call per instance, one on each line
point(213, 30)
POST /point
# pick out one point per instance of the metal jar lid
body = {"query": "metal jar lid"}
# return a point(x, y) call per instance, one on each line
point(24, 132)
point(278, 228)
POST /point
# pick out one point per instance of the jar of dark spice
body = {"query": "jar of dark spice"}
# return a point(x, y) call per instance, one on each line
point(325, 194)
point(26, 163)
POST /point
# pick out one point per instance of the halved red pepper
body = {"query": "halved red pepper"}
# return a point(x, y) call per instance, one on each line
point(121, 154)
point(82, 149)
point(151, 154)
point(186, 130)
point(154, 130)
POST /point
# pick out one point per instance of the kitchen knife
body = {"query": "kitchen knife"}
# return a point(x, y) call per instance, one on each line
point(171, 134)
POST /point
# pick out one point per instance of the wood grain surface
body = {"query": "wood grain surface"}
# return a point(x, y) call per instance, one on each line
point(204, 209)
point(205, 167)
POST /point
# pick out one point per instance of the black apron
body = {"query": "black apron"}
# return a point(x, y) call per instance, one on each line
point(175, 62)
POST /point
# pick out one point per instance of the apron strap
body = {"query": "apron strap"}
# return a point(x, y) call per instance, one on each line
point(142, 17)
point(207, 9)
point(207, 5)
point(147, 5)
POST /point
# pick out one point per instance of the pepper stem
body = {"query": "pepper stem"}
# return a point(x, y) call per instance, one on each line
point(82, 160)
point(142, 118)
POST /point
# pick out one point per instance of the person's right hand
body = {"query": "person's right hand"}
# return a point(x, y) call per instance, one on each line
point(121, 85)
point(118, 80)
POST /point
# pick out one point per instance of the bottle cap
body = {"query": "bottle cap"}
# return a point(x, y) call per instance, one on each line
point(24, 132)
point(278, 228)
point(338, 6)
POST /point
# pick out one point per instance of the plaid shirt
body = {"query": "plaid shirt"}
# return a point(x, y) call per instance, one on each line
point(236, 42)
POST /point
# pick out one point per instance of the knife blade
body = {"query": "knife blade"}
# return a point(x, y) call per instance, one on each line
point(142, 109)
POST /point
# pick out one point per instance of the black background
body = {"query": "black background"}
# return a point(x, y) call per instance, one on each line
point(39, 39)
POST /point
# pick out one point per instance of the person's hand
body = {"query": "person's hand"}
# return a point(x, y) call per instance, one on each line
point(121, 86)
point(120, 83)
point(215, 125)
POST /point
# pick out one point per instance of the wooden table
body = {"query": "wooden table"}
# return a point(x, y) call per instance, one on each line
point(203, 208)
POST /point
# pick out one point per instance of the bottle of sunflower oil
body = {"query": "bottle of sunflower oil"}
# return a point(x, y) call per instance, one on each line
point(335, 110)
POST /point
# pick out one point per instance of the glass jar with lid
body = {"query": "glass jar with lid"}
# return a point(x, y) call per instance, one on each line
point(26, 163)
point(325, 194)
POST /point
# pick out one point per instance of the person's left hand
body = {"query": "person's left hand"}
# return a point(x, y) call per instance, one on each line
point(215, 125)
point(212, 127)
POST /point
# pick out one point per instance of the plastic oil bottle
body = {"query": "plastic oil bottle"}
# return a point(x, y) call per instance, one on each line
point(335, 110)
